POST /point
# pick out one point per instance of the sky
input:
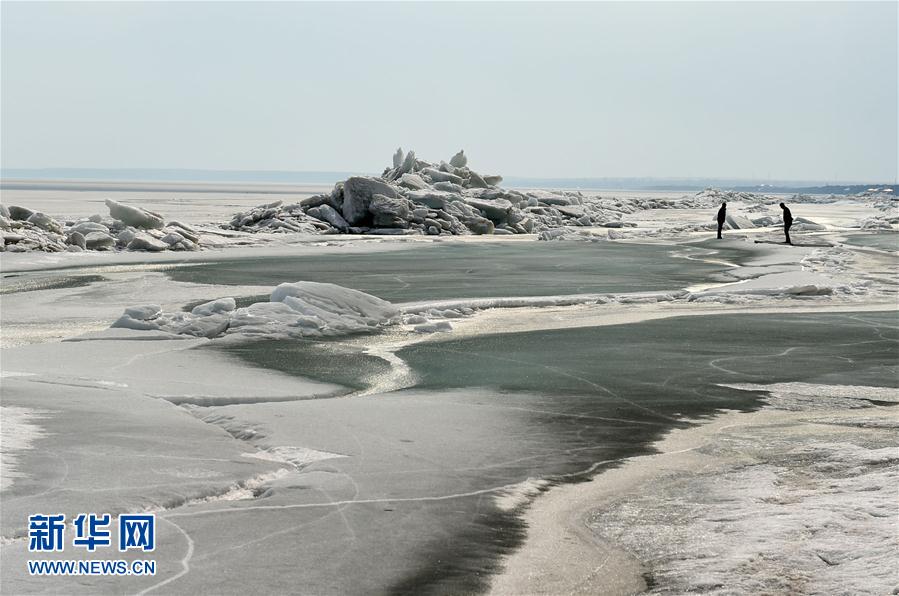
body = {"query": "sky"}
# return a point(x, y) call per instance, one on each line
point(756, 90)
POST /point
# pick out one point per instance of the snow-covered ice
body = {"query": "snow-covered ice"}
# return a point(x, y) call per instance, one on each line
point(18, 432)
point(801, 507)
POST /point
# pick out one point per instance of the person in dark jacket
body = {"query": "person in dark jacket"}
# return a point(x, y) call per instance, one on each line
point(722, 217)
point(788, 221)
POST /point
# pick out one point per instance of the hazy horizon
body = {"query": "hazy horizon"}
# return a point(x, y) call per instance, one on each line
point(202, 174)
point(186, 179)
point(746, 91)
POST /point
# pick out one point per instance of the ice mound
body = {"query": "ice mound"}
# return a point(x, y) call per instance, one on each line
point(301, 309)
point(126, 228)
point(429, 198)
point(307, 308)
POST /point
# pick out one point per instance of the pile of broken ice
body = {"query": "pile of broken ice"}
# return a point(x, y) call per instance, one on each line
point(301, 309)
point(419, 197)
point(126, 227)
point(414, 197)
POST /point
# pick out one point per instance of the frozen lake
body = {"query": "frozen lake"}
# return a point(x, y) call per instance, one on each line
point(395, 461)
point(884, 240)
point(477, 270)
point(498, 410)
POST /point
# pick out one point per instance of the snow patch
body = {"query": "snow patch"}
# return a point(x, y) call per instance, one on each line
point(437, 327)
point(241, 491)
point(297, 457)
point(18, 433)
point(814, 396)
point(518, 495)
point(812, 519)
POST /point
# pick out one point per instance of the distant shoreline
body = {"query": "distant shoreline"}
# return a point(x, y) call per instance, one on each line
point(160, 186)
point(278, 181)
point(278, 188)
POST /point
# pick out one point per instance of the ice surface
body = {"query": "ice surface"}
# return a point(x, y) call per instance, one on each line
point(150, 453)
point(418, 272)
point(180, 371)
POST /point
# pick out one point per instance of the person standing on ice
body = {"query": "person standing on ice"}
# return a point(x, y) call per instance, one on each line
point(722, 217)
point(788, 221)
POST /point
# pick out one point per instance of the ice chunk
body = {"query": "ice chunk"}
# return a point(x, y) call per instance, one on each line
point(438, 176)
point(207, 326)
point(76, 239)
point(45, 222)
point(434, 327)
point(143, 241)
point(18, 213)
point(357, 195)
point(98, 240)
point(389, 212)
point(738, 222)
point(459, 160)
point(338, 307)
point(144, 313)
point(86, 227)
point(134, 216)
point(140, 318)
point(327, 213)
point(398, 157)
point(214, 307)
point(413, 181)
